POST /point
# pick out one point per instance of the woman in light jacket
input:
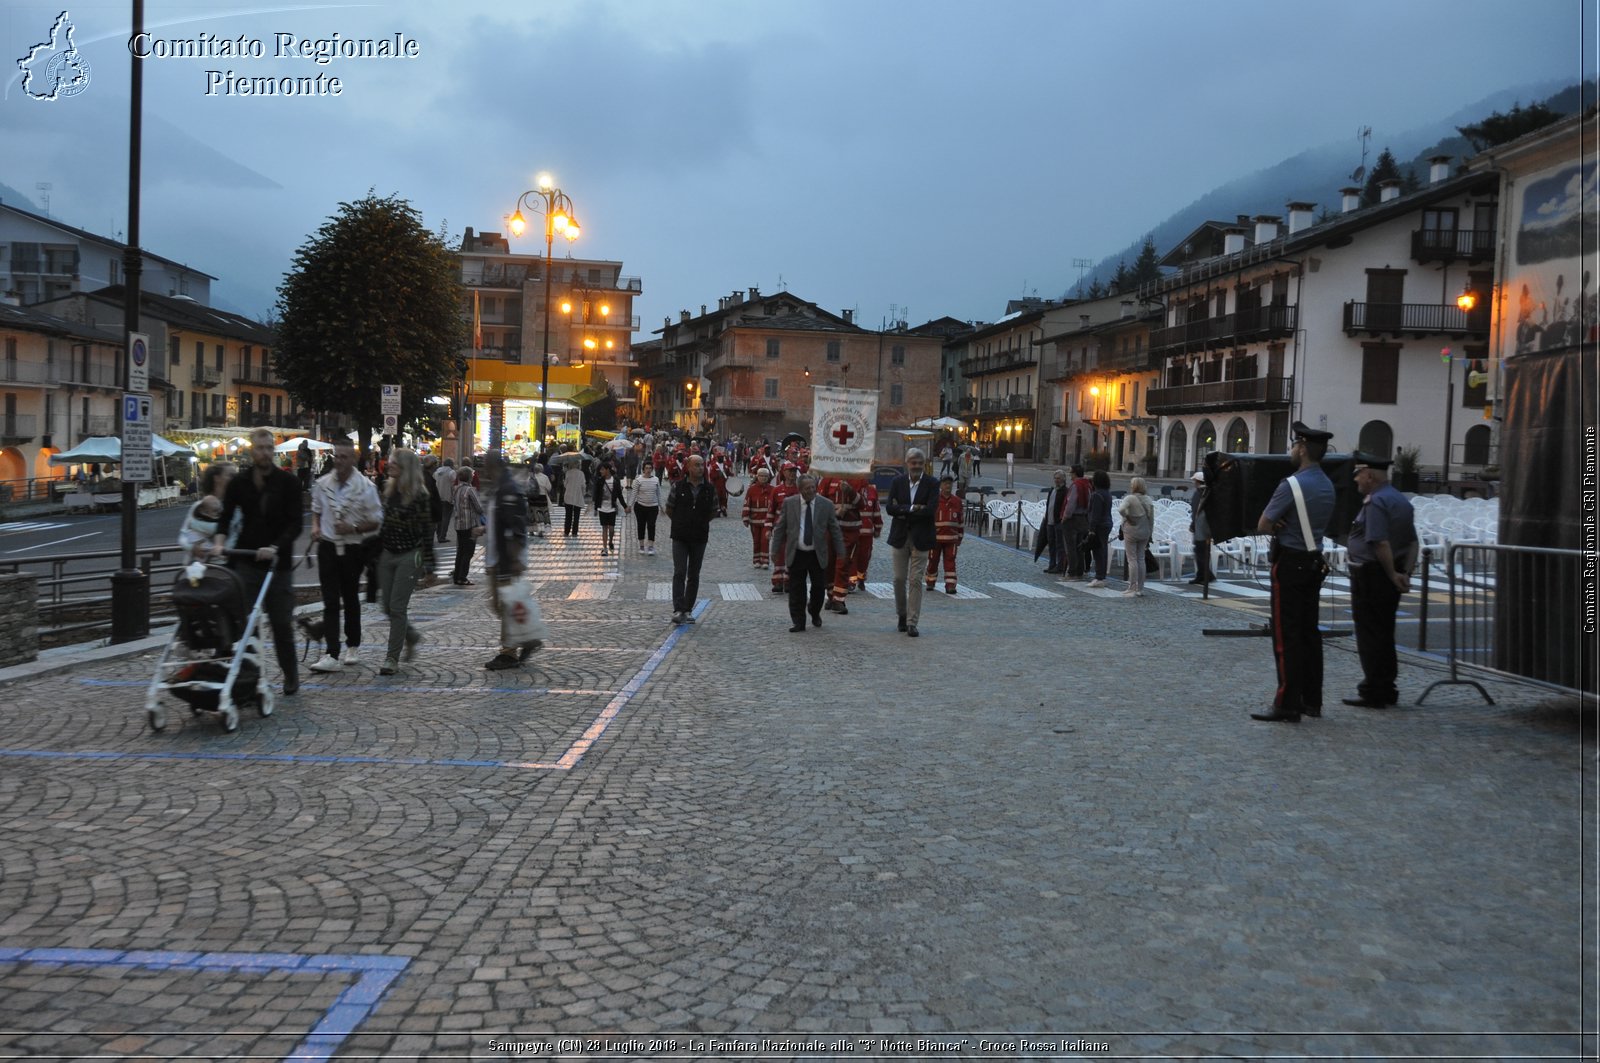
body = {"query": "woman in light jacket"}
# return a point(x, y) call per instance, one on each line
point(646, 506)
point(574, 493)
point(1138, 525)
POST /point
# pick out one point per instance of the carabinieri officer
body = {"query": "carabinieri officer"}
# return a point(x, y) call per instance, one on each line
point(1383, 549)
point(1298, 569)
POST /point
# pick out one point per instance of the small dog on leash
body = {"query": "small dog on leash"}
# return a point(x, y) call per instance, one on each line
point(310, 625)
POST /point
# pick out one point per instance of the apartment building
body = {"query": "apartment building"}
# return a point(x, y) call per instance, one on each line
point(1098, 375)
point(1351, 325)
point(60, 382)
point(42, 258)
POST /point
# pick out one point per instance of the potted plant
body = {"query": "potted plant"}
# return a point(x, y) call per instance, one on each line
point(1097, 459)
point(1405, 476)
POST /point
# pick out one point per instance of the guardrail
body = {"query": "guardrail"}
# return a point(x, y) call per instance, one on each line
point(1544, 647)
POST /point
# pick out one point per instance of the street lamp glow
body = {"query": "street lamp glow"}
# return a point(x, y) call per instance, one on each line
point(545, 181)
point(1467, 300)
point(559, 223)
point(566, 307)
point(588, 343)
point(518, 223)
point(572, 230)
point(605, 309)
point(556, 207)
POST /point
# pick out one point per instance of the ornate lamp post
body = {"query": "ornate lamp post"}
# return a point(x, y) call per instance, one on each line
point(557, 210)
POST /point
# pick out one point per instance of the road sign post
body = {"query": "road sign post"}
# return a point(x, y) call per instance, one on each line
point(138, 362)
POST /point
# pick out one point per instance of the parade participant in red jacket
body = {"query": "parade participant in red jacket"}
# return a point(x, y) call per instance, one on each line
point(948, 529)
point(717, 473)
point(757, 511)
point(847, 508)
point(788, 484)
point(871, 528)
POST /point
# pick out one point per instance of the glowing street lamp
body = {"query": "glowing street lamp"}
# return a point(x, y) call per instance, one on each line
point(553, 203)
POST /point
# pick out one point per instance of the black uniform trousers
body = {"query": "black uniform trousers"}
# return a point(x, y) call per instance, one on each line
point(807, 570)
point(1296, 642)
point(1374, 600)
point(339, 573)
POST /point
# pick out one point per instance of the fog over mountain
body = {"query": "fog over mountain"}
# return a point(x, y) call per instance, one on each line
point(1316, 174)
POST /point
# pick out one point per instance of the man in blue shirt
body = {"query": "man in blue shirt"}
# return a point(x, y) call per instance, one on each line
point(1383, 549)
point(1298, 569)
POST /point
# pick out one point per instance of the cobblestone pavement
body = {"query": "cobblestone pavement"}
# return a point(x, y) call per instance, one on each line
point(1050, 813)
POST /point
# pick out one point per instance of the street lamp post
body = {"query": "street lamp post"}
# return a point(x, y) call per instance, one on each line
point(557, 210)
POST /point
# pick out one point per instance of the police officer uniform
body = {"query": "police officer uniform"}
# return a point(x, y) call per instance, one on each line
point(1375, 587)
point(1298, 569)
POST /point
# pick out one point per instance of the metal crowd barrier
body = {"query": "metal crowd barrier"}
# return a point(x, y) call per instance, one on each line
point(1520, 612)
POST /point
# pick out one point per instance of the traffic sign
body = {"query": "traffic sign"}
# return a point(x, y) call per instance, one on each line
point(391, 400)
point(391, 424)
point(138, 362)
point(138, 453)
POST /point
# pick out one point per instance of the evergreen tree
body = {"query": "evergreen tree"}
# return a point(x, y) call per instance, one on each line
point(1145, 269)
point(1499, 128)
point(1096, 290)
point(1385, 169)
point(1121, 279)
point(372, 298)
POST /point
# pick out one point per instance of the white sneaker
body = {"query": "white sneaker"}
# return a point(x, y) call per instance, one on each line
point(327, 663)
point(351, 656)
point(1095, 583)
point(1130, 594)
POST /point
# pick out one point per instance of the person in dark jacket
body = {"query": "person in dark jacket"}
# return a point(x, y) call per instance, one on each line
point(267, 501)
point(913, 503)
point(608, 501)
point(691, 506)
point(1100, 525)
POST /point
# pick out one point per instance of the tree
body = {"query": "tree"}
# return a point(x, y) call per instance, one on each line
point(371, 299)
point(1385, 169)
point(1097, 290)
point(1499, 128)
point(1145, 268)
point(1121, 279)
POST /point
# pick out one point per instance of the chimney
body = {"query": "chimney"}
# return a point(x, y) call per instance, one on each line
point(702, 309)
point(735, 298)
point(849, 316)
point(666, 322)
point(1389, 189)
point(1349, 199)
point(683, 315)
point(1242, 220)
point(1438, 168)
point(1083, 321)
point(1127, 308)
point(1266, 228)
point(1232, 241)
point(466, 239)
point(1301, 216)
point(755, 293)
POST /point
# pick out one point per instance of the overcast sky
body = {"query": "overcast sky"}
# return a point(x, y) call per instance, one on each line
point(931, 155)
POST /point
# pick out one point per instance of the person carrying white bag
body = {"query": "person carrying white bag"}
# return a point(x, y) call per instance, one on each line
point(522, 628)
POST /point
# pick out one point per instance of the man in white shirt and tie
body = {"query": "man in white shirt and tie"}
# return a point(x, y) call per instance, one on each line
point(806, 534)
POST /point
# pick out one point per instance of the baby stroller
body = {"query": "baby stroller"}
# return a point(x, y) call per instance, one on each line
point(213, 660)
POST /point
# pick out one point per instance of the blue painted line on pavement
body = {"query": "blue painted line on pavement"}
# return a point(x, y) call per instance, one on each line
point(349, 1009)
point(574, 754)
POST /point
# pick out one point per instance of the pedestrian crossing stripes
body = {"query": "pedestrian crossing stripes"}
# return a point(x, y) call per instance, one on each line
point(32, 525)
point(1027, 590)
point(739, 592)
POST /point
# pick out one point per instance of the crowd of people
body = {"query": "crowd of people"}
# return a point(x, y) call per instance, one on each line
point(813, 531)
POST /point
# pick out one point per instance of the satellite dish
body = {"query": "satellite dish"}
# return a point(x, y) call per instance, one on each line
point(1360, 172)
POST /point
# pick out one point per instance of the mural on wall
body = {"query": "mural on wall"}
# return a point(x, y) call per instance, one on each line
point(1553, 300)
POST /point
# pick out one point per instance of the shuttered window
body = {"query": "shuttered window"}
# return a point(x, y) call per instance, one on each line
point(1380, 373)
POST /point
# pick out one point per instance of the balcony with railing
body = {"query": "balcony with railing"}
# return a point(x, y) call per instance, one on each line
point(18, 427)
point(1398, 319)
point(95, 374)
point(1249, 393)
point(1227, 330)
point(747, 402)
point(484, 275)
point(1113, 359)
point(1452, 245)
point(262, 375)
point(1013, 403)
point(20, 373)
point(97, 424)
point(1000, 361)
point(207, 376)
point(1067, 366)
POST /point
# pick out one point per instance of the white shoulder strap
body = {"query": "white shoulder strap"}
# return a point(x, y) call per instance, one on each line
point(1313, 543)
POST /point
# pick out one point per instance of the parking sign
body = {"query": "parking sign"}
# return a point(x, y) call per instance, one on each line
point(138, 453)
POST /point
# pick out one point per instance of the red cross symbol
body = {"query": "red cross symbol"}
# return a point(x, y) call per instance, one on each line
point(843, 434)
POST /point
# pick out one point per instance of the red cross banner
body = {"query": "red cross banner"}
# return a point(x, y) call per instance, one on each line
point(844, 429)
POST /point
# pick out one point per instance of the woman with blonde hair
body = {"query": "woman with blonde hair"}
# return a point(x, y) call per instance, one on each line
point(1138, 525)
point(407, 539)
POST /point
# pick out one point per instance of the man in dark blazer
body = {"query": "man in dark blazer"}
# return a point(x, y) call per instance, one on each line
point(913, 501)
point(806, 534)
